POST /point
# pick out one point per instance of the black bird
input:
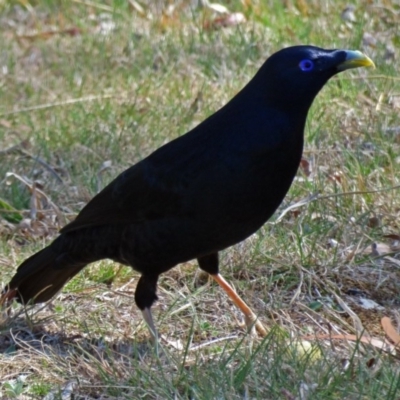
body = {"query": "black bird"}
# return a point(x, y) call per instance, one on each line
point(198, 194)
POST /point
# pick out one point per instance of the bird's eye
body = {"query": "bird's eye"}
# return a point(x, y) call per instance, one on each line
point(306, 65)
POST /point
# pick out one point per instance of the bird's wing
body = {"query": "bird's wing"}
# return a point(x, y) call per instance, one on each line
point(157, 187)
point(168, 182)
point(140, 193)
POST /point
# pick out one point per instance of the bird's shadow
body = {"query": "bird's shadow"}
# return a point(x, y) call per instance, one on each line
point(22, 335)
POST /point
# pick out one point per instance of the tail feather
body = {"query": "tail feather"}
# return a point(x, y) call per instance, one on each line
point(37, 280)
point(42, 275)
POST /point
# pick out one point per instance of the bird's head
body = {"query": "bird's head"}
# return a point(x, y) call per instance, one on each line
point(295, 75)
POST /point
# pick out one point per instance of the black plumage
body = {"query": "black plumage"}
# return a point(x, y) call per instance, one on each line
point(200, 193)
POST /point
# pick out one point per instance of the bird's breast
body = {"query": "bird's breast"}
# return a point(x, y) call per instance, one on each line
point(243, 194)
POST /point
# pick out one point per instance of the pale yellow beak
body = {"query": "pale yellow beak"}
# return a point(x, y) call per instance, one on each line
point(355, 59)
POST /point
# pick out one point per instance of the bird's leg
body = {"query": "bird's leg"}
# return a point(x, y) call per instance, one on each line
point(251, 319)
point(145, 296)
point(148, 317)
point(209, 264)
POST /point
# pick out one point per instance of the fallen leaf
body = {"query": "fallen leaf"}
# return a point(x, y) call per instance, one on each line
point(348, 14)
point(369, 40)
point(374, 222)
point(378, 249)
point(395, 101)
point(392, 236)
point(336, 176)
point(390, 330)
point(380, 344)
point(219, 8)
point(371, 362)
point(305, 166)
point(368, 304)
point(5, 123)
point(225, 21)
point(74, 31)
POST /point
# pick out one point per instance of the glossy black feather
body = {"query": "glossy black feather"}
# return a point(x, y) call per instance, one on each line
point(198, 194)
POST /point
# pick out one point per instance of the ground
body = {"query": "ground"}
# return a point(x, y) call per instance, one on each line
point(88, 89)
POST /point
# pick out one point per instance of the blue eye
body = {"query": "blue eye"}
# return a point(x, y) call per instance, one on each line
point(306, 65)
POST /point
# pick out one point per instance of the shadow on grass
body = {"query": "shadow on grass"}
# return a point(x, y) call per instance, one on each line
point(275, 367)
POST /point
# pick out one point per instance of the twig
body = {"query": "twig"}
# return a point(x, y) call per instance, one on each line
point(298, 290)
point(353, 78)
point(18, 148)
point(11, 149)
point(60, 103)
point(358, 326)
point(200, 346)
point(317, 196)
point(95, 5)
point(41, 162)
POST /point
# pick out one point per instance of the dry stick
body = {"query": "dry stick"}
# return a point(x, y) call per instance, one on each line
point(95, 5)
point(385, 346)
point(108, 96)
point(12, 149)
point(41, 162)
point(317, 196)
point(211, 342)
point(298, 290)
point(61, 103)
point(351, 78)
point(357, 324)
point(18, 148)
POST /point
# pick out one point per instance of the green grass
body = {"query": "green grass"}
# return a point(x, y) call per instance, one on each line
point(71, 103)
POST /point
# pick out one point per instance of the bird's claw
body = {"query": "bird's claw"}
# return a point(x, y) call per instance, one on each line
point(253, 324)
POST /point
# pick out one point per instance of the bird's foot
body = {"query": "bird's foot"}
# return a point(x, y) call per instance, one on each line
point(254, 325)
point(251, 319)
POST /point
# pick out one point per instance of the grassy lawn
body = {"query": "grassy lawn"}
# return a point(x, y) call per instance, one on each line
point(87, 89)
